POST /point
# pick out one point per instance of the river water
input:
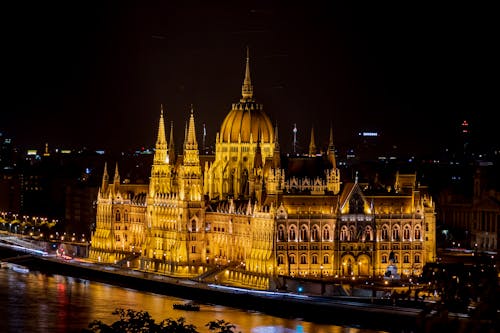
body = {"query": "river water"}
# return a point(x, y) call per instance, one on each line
point(39, 302)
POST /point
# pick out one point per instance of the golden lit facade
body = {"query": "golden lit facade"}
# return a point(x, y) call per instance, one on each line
point(244, 219)
point(120, 228)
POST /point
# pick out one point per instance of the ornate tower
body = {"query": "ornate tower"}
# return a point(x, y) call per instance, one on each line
point(236, 145)
point(161, 171)
point(190, 177)
point(333, 174)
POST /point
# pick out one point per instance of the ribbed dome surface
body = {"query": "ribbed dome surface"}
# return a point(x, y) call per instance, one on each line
point(246, 120)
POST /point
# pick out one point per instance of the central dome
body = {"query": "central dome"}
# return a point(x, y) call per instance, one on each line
point(245, 119)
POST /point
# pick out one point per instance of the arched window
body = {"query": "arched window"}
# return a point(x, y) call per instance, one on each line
point(315, 234)
point(281, 233)
point(395, 233)
point(352, 233)
point(303, 259)
point(385, 232)
point(292, 259)
point(125, 216)
point(314, 259)
point(193, 225)
point(117, 216)
point(384, 258)
point(344, 233)
point(406, 232)
point(303, 233)
point(417, 233)
point(417, 258)
point(368, 235)
point(326, 233)
point(406, 258)
point(280, 259)
point(325, 259)
point(292, 234)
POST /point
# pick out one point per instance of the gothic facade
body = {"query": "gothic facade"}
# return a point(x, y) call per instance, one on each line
point(246, 218)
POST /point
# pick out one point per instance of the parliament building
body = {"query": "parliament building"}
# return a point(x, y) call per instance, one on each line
point(246, 218)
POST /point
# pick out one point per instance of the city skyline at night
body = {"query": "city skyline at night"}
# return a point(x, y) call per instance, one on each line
point(96, 77)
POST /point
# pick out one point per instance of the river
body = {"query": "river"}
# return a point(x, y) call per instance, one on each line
point(39, 302)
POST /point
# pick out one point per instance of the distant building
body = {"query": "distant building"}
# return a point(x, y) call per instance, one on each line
point(250, 215)
point(473, 220)
point(10, 191)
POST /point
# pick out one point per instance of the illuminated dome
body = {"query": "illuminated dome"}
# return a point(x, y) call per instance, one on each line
point(247, 117)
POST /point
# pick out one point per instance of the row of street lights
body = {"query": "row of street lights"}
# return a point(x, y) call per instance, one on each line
point(8, 216)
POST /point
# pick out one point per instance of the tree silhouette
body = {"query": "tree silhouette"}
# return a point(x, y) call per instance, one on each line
point(132, 321)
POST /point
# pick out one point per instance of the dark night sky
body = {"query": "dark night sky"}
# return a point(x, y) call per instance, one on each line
point(76, 74)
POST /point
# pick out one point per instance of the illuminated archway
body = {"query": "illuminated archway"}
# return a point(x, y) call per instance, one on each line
point(347, 263)
point(364, 265)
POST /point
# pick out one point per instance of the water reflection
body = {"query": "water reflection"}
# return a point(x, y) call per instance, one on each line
point(37, 302)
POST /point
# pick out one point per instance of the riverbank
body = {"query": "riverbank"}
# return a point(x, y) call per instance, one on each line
point(360, 313)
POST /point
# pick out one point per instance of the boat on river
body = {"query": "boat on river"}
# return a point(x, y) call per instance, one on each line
point(15, 267)
point(186, 306)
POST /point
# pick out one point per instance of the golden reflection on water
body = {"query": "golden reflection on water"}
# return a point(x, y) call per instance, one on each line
point(55, 303)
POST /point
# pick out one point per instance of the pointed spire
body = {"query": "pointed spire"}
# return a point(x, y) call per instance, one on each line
point(191, 179)
point(312, 145)
point(294, 138)
point(160, 156)
point(105, 178)
point(161, 139)
point(190, 132)
point(276, 153)
point(247, 89)
point(276, 143)
point(185, 132)
point(116, 179)
point(204, 137)
point(171, 145)
point(331, 149)
point(171, 133)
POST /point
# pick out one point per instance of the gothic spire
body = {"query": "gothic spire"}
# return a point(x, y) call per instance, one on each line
point(105, 178)
point(276, 153)
point(171, 145)
point(191, 134)
point(116, 180)
point(331, 149)
point(191, 179)
point(276, 143)
point(161, 142)
point(312, 145)
point(161, 139)
point(247, 88)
